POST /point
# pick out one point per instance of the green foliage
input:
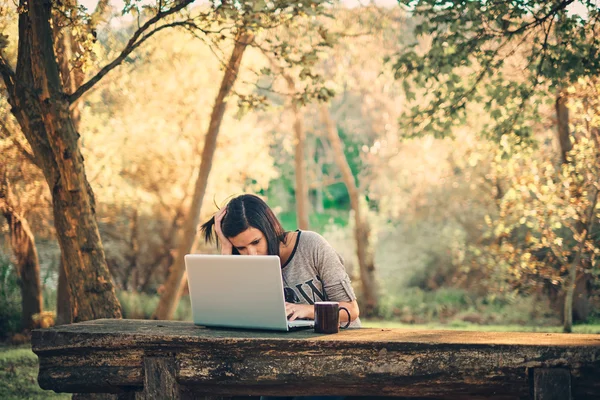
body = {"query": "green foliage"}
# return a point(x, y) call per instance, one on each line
point(459, 307)
point(466, 61)
point(415, 305)
point(10, 299)
point(318, 222)
point(335, 195)
point(545, 215)
point(142, 305)
point(352, 152)
point(18, 376)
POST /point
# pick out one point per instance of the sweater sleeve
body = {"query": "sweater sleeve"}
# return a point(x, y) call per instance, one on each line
point(331, 270)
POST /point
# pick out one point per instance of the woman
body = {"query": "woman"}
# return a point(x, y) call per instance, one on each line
point(311, 269)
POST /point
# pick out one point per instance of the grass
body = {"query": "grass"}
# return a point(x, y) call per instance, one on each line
point(18, 375)
point(467, 326)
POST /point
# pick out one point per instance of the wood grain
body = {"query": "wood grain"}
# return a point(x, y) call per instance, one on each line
point(108, 356)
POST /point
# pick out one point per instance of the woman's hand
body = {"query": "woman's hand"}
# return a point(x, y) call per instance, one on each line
point(299, 311)
point(226, 246)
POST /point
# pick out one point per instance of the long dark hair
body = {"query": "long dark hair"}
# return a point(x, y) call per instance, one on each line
point(243, 212)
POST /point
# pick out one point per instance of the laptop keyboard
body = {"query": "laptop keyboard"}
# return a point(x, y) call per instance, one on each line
point(301, 323)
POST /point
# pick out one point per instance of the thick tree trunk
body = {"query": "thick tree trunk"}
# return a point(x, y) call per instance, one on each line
point(71, 78)
point(170, 297)
point(41, 107)
point(27, 263)
point(64, 314)
point(361, 226)
point(302, 202)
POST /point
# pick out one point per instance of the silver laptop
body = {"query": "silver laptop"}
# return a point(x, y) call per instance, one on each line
point(238, 292)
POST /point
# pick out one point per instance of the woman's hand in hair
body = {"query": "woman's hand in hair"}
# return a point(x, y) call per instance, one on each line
point(226, 246)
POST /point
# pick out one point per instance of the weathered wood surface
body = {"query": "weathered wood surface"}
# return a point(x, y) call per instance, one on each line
point(108, 356)
point(552, 384)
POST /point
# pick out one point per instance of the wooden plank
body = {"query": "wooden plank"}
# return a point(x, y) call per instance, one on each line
point(159, 379)
point(107, 355)
point(124, 331)
point(552, 384)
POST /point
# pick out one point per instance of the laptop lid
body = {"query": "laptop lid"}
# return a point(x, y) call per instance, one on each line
point(236, 291)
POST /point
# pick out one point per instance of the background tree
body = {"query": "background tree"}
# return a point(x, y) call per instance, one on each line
point(22, 240)
point(552, 41)
point(248, 19)
point(41, 106)
point(555, 40)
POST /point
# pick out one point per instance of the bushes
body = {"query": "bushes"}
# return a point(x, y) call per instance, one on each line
point(414, 305)
point(142, 305)
point(457, 306)
point(10, 299)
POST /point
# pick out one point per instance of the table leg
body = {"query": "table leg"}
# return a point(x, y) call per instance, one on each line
point(552, 384)
point(160, 382)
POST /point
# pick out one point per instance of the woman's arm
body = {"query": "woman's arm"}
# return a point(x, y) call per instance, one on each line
point(226, 246)
point(352, 306)
point(306, 311)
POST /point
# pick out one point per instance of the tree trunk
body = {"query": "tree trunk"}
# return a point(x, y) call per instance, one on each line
point(133, 254)
point(318, 184)
point(568, 319)
point(170, 297)
point(302, 202)
point(64, 314)
point(572, 279)
point(71, 78)
point(23, 247)
point(41, 107)
point(562, 122)
point(566, 145)
point(361, 226)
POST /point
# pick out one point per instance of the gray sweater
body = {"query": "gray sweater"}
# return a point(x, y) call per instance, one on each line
point(315, 272)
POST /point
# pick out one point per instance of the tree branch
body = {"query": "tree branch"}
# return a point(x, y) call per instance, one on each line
point(557, 253)
point(538, 21)
point(587, 230)
point(98, 13)
point(8, 75)
point(131, 46)
point(9, 134)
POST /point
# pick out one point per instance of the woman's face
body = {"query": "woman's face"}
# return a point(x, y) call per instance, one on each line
point(251, 242)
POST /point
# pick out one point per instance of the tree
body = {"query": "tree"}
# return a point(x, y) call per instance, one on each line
point(71, 58)
point(41, 105)
point(301, 185)
point(155, 178)
point(361, 224)
point(25, 252)
point(472, 42)
point(248, 19)
point(15, 201)
point(545, 234)
point(474, 49)
point(170, 298)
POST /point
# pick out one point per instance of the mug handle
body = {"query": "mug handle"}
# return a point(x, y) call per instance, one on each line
point(349, 317)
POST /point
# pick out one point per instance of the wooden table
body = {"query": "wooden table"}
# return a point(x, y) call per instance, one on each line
point(169, 360)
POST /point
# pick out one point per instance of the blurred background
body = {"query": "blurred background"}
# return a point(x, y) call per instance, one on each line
point(448, 153)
